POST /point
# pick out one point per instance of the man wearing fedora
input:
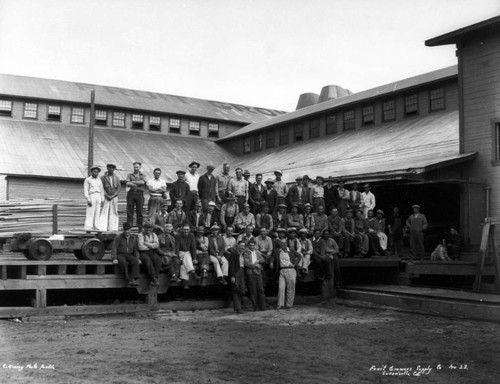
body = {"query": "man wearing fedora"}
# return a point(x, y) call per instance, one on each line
point(416, 225)
point(192, 179)
point(207, 187)
point(136, 186)
point(93, 191)
point(109, 212)
point(180, 191)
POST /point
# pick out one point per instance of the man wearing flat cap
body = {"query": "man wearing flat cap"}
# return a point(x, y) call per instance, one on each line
point(93, 191)
point(280, 187)
point(270, 196)
point(207, 187)
point(180, 191)
point(192, 178)
point(109, 212)
point(136, 186)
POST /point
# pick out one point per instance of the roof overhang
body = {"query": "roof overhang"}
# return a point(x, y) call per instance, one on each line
point(487, 26)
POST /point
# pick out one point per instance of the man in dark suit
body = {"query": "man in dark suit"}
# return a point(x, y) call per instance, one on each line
point(207, 187)
point(216, 247)
point(196, 218)
point(271, 196)
point(180, 191)
point(236, 274)
point(256, 194)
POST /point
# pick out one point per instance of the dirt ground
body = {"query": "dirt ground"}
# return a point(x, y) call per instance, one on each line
point(325, 343)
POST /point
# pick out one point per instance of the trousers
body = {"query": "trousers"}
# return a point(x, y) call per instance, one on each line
point(238, 289)
point(187, 264)
point(135, 199)
point(152, 262)
point(286, 287)
point(92, 214)
point(125, 261)
point(255, 288)
point(109, 215)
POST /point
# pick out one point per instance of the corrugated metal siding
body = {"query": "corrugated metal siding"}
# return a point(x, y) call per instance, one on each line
point(66, 91)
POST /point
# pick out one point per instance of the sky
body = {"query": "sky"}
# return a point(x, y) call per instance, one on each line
point(261, 53)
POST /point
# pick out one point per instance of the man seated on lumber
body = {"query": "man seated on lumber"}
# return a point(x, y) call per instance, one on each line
point(185, 249)
point(125, 253)
point(166, 249)
point(147, 242)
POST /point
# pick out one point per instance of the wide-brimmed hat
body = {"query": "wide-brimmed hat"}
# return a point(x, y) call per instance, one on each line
point(194, 163)
point(279, 229)
point(246, 172)
point(180, 172)
point(303, 230)
point(269, 181)
point(200, 230)
point(292, 229)
point(111, 166)
point(279, 171)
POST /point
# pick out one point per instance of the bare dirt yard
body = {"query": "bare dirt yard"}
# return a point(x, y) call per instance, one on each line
point(325, 343)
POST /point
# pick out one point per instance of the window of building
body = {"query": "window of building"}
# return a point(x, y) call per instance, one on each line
point(5, 108)
point(155, 123)
point(270, 139)
point(284, 137)
point(194, 128)
point(30, 110)
point(174, 126)
point(436, 99)
point(101, 117)
point(411, 104)
point(137, 121)
point(118, 119)
point(331, 124)
point(54, 113)
point(314, 128)
point(77, 115)
point(349, 122)
point(298, 132)
point(389, 110)
point(246, 145)
point(258, 142)
point(368, 112)
point(213, 130)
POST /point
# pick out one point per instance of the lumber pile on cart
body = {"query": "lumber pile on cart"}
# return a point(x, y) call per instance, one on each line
point(44, 217)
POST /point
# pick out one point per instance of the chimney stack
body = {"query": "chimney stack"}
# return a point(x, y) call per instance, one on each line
point(306, 100)
point(331, 92)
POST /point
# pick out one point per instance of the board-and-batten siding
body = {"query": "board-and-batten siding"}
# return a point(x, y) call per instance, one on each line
point(481, 81)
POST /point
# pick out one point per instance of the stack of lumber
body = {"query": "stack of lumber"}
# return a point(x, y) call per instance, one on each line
point(36, 216)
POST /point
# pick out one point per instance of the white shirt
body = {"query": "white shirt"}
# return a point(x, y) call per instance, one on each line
point(368, 200)
point(154, 185)
point(93, 185)
point(192, 181)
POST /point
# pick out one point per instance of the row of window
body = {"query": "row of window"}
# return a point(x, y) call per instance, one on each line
point(411, 107)
point(30, 111)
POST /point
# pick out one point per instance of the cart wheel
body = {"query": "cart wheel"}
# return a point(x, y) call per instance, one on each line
point(93, 249)
point(40, 249)
point(78, 254)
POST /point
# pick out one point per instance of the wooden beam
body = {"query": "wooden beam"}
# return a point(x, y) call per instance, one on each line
point(41, 298)
point(483, 251)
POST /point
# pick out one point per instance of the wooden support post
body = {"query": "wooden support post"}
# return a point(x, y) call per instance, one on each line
point(80, 269)
point(42, 270)
point(153, 298)
point(61, 269)
point(4, 272)
point(483, 251)
point(41, 298)
point(100, 268)
point(54, 219)
point(496, 258)
point(22, 272)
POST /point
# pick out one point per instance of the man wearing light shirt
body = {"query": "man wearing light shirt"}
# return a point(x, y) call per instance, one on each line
point(94, 194)
point(136, 185)
point(367, 200)
point(223, 183)
point(156, 188)
point(239, 188)
point(280, 187)
point(192, 179)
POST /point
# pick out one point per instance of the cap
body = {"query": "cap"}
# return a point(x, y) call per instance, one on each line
point(282, 206)
point(200, 230)
point(158, 229)
point(180, 172)
point(302, 230)
point(305, 177)
point(126, 226)
point(367, 185)
point(380, 211)
point(246, 205)
point(415, 206)
point(230, 197)
point(246, 172)
point(298, 178)
point(269, 181)
point(278, 171)
point(251, 241)
point(292, 229)
point(210, 167)
point(320, 177)
point(280, 229)
point(137, 162)
point(194, 163)
point(211, 204)
point(215, 227)
point(307, 205)
point(95, 167)
point(294, 205)
point(147, 224)
point(111, 166)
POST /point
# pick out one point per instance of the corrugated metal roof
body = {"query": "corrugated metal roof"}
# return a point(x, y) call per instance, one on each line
point(452, 37)
point(66, 91)
point(343, 101)
point(401, 148)
point(58, 150)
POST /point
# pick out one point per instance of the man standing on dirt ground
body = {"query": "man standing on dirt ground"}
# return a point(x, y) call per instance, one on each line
point(147, 242)
point(253, 261)
point(285, 261)
point(109, 212)
point(125, 253)
point(94, 194)
point(136, 185)
point(236, 274)
point(416, 224)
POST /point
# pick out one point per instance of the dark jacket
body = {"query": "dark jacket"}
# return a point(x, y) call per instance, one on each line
point(108, 188)
point(186, 244)
point(295, 256)
point(120, 246)
point(331, 198)
point(180, 191)
point(255, 194)
point(233, 259)
point(191, 220)
point(207, 188)
point(212, 248)
point(271, 198)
